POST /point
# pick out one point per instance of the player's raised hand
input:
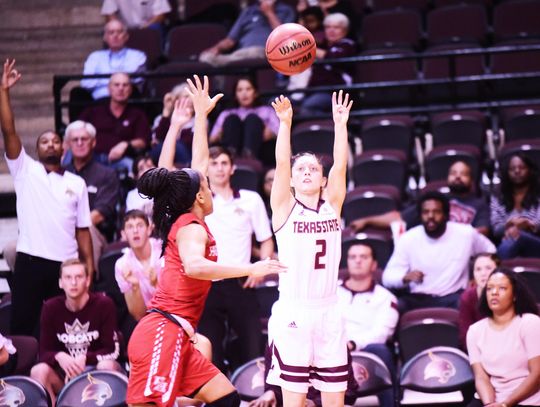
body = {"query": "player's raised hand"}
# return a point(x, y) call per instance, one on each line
point(282, 106)
point(182, 112)
point(10, 75)
point(264, 267)
point(341, 106)
point(199, 93)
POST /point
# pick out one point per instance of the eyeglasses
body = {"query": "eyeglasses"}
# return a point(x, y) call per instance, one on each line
point(77, 140)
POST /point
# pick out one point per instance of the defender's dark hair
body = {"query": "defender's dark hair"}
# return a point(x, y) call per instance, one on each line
point(524, 302)
point(173, 192)
point(507, 188)
point(434, 196)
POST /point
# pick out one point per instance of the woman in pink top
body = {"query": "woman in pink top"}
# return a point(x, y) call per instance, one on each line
point(245, 127)
point(504, 348)
point(482, 266)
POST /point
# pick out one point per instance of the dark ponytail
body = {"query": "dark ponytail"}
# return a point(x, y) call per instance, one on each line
point(173, 193)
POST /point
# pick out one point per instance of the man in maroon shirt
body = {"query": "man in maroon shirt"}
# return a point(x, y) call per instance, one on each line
point(77, 331)
point(122, 130)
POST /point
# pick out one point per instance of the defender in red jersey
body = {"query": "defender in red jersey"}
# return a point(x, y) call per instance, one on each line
point(164, 362)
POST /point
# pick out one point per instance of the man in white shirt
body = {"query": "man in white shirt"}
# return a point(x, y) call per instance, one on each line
point(231, 303)
point(369, 310)
point(52, 212)
point(432, 259)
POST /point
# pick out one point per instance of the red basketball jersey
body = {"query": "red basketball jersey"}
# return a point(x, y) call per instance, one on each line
point(176, 292)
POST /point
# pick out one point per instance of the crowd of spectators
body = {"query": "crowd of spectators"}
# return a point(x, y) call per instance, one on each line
point(79, 197)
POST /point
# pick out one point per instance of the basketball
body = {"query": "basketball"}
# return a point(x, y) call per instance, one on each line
point(290, 48)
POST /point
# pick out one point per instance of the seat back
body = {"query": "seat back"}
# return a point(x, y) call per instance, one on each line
point(147, 40)
point(440, 159)
point(370, 373)
point(248, 379)
point(442, 27)
point(370, 200)
point(319, 141)
point(247, 174)
point(438, 369)
point(380, 167)
point(516, 19)
point(531, 148)
point(27, 353)
point(22, 391)
point(105, 388)
point(381, 243)
point(186, 42)
point(406, 28)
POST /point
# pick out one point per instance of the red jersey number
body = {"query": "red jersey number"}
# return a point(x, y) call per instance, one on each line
point(319, 264)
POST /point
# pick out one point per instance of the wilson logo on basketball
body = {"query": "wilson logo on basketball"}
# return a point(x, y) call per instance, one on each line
point(294, 46)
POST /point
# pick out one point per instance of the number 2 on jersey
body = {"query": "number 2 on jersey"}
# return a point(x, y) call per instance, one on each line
point(319, 264)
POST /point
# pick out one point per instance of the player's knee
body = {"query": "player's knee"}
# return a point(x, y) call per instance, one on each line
point(230, 400)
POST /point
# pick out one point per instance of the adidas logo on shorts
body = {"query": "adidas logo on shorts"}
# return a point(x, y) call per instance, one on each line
point(292, 325)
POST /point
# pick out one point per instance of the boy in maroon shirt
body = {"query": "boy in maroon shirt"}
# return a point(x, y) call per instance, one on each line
point(77, 331)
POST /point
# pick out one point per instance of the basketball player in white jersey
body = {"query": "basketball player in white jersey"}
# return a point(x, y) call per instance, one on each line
point(306, 332)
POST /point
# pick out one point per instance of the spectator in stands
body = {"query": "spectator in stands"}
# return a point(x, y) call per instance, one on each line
point(134, 199)
point(78, 331)
point(117, 58)
point(268, 180)
point(482, 266)
point(8, 357)
point(515, 212)
point(312, 18)
point(337, 45)
point(504, 350)
point(163, 121)
point(237, 215)
point(52, 212)
point(134, 14)
point(247, 37)
point(369, 309)
point(243, 129)
point(138, 270)
point(330, 7)
point(431, 260)
point(465, 206)
point(101, 182)
point(122, 129)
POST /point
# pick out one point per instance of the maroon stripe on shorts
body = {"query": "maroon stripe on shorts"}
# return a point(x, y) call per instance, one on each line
point(329, 379)
point(289, 368)
point(294, 379)
point(333, 369)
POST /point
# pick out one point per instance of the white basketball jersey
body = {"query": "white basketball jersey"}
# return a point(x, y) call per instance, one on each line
point(309, 244)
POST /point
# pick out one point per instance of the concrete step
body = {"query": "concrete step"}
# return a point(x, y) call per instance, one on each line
point(41, 16)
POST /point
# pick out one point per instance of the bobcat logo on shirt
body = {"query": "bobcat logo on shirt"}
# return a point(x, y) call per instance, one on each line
point(439, 368)
point(97, 390)
point(77, 337)
point(10, 396)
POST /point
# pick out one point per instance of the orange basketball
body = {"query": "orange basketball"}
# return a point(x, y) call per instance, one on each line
point(290, 48)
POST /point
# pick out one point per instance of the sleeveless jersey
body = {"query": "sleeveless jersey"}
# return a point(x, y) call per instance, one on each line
point(176, 292)
point(309, 244)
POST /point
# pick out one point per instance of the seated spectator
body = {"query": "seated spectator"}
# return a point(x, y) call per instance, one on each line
point(431, 260)
point(134, 199)
point(162, 123)
point(369, 310)
point(330, 7)
point(504, 350)
point(121, 129)
point(117, 58)
point(137, 271)
point(8, 357)
point(243, 129)
point(101, 182)
point(312, 18)
point(465, 206)
point(482, 266)
point(134, 14)
point(515, 212)
point(268, 180)
point(77, 331)
point(337, 45)
point(247, 37)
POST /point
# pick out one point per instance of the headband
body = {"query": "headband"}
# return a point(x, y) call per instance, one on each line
point(194, 184)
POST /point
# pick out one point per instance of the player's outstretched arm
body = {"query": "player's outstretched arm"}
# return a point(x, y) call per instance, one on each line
point(192, 247)
point(10, 77)
point(180, 116)
point(281, 198)
point(337, 178)
point(203, 104)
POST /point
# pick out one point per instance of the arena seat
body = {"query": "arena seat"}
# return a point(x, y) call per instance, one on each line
point(23, 391)
point(249, 379)
point(105, 388)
